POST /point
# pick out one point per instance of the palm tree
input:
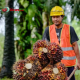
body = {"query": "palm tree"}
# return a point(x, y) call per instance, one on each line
point(9, 53)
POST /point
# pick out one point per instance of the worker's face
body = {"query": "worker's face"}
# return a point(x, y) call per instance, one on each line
point(57, 20)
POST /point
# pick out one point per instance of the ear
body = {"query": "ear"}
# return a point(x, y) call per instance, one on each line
point(62, 16)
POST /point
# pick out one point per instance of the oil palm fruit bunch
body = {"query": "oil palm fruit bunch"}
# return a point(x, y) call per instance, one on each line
point(55, 53)
point(27, 69)
point(41, 48)
point(19, 70)
point(53, 72)
point(40, 44)
point(60, 71)
point(33, 66)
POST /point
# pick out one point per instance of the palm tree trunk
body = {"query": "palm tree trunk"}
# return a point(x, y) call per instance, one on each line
point(9, 53)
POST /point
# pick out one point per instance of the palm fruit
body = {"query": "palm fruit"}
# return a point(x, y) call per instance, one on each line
point(33, 66)
point(60, 71)
point(27, 69)
point(41, 48)
point(56, 72)
point(19, 70)
point(40, 44)
point(55, 53)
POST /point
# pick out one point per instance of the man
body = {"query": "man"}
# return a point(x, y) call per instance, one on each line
point(65, 36)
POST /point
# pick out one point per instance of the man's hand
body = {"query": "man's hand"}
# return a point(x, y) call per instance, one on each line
point(78, 64)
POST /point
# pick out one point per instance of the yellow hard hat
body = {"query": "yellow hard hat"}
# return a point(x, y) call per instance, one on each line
point(56, 11)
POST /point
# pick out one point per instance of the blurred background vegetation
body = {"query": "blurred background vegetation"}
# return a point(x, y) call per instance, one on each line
point(30, 24)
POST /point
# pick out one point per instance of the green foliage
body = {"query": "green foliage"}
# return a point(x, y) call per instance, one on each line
point(76, 25)
point(6, 79)
point(1, 47)
point(24, 3)
point(26, 25)
point(65, 20)
point(62, 2)
point(28, 52)
point(39, 3)
point(77, 74)
point(32, 10)
point(2, 5)
point(75, 5)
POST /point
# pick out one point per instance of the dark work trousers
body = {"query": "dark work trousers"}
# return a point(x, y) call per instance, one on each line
point(70, 69)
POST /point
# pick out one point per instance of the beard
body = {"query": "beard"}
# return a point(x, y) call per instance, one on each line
point(58, 24)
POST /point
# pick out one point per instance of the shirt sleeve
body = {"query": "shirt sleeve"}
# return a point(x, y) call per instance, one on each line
point(46, 34)
point(73, 35)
